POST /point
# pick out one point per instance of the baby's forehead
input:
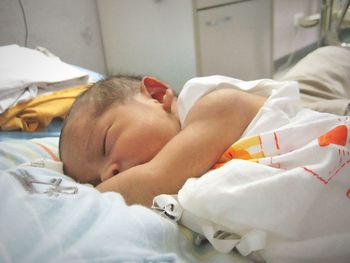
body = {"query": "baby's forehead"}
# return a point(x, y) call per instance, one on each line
point(84, 110)
point(80, 118)
point(74, 130)
point(85, 115)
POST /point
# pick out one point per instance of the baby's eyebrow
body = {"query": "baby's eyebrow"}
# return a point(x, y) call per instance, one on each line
point(103, 146)
point(106, 133)
point(89, 149)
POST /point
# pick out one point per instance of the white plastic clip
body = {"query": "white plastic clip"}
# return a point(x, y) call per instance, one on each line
point(168, 206)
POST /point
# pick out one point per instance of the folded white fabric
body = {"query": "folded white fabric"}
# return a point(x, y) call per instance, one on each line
point(27, 73)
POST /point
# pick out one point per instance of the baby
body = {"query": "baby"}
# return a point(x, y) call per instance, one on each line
point(130, 135)
point(135, 137)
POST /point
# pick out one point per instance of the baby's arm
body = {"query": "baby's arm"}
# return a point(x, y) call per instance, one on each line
point(213, 124)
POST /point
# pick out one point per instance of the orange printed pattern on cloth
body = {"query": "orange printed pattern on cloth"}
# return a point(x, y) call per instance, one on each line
point(249, 148)
point(338, 136)
point(270, 152)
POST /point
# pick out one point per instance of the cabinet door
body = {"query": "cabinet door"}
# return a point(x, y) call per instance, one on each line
point(236, 40)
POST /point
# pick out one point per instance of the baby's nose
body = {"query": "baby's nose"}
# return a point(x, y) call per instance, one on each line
point(110, 171)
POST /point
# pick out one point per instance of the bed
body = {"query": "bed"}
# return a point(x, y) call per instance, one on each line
point(281, 192)
point(48, 217)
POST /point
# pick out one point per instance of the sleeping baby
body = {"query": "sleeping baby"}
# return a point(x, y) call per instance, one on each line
point(134, 136)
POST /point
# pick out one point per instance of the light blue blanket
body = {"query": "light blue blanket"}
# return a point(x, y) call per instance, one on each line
point(47, 217)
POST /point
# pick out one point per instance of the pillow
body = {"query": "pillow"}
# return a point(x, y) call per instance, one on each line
point(16, 152)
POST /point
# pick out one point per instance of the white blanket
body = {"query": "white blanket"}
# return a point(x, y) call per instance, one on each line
point(286, 192)
point(27, 73)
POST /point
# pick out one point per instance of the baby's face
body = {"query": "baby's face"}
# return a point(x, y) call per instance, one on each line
point(122, 137)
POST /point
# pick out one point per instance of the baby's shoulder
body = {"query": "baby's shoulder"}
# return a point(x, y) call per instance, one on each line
point(226, 100)
point(225, 106)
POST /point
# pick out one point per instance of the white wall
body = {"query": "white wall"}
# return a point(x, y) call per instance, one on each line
point(157, 37)
point(149, 37)
point(70, 29)
point(287, 37)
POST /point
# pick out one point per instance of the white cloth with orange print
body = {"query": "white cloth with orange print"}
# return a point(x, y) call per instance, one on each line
point(287, 196)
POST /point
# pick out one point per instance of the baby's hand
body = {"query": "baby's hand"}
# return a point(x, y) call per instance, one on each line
point(135, 185)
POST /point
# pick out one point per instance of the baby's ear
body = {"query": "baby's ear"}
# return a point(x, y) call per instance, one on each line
point(154, 87)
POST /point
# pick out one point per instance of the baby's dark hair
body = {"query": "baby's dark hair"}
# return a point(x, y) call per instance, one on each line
point(114, 89)
point(101, 95)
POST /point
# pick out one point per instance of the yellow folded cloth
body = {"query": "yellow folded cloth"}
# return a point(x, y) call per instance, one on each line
point(36, 114)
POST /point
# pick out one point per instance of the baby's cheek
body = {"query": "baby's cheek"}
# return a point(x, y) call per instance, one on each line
point(141, 144)
point(141, 151)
